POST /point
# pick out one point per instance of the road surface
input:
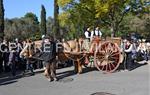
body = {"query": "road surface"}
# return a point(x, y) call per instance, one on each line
point(135, 82)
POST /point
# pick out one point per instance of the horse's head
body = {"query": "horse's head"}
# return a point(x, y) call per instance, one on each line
point(69, 46)
point(28, 50)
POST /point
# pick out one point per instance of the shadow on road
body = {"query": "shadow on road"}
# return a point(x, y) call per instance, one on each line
point(134, 66)
point(65, 74)
point(137, 65)
point(9, 80)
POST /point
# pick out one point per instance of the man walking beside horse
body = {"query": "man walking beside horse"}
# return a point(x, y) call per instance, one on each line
point(49, 57)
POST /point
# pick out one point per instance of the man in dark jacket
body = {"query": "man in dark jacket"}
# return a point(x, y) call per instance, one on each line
point(12, 61)
point(49, 57)
point(130, 52)
point(5, 55)
point(1, 62)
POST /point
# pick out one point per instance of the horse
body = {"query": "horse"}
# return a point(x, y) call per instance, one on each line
point(70, 50)
point(27, 53)
point(33, 51)
point(78, 50)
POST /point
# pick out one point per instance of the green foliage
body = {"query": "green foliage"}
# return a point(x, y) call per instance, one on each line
point(136, 24)
point(111, 15)
point(1, 19)
point(106, 32)
point(63, 17)
point(147, 27)
point(140, 7)
point(31, 16)
point(22, 28)
point(63, 3)
point(91, 13)
point(56, 21)
point(50, 25)
point(43, 20)
point(76, 15)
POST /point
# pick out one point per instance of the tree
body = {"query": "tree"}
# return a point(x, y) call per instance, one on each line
point(43, 21)
point(56, 21)
point(115, 16)
point(140, 7)
point(15, 28)
point(76, 16)
point(31, 16)
point(147, 28)
point(22, 28)
point(137, 19)
point(32, 24)
point(108, 14)
point(1, 19)
point(50, 25)
point(86, 13)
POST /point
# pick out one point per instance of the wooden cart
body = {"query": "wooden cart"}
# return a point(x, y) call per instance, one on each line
point(106, 55)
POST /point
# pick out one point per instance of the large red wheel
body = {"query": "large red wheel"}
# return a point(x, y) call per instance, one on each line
point(107, 57)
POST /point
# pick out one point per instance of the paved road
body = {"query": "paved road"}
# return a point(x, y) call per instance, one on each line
point(135, 82)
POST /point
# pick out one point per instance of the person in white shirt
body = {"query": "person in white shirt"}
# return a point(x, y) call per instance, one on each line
point(88, 34)
point(142, 46)
point(97, 32)
point(142, 49)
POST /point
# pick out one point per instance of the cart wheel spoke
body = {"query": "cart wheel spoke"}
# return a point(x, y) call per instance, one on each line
point(108, 57)
point(100, 62)
point(103, 66)
point(113, 57)
point(112, 64)
point(115, 54)
point(109, 66)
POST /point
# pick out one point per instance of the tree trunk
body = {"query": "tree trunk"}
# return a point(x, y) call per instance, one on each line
point(112, 28)
point(112, 32)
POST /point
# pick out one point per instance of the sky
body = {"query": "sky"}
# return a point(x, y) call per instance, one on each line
point(18, 8)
